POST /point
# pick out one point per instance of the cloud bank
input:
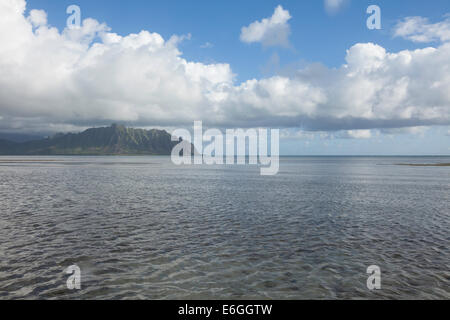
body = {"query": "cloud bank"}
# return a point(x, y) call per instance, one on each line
point(63, 80)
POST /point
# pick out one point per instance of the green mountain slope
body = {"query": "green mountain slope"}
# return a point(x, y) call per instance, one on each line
point(113, 140)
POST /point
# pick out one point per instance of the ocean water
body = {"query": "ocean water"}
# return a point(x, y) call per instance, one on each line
point(142, 228)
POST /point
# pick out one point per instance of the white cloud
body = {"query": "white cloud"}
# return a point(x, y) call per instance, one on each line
point(419, 29)
point(357, 134)
point(333, 6)
point(38, 18)
point(79, 78)
point(273, 31)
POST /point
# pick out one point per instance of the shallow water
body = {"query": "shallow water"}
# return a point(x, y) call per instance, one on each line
point(142, 228)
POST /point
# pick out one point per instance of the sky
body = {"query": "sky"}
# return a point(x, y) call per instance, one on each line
point(311, 68)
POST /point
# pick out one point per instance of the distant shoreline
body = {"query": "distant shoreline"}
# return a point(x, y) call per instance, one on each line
point(281, 156)
point(424, 164)
point(5, 159)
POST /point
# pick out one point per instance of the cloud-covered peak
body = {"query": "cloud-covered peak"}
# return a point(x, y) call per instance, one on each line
point(273, 31)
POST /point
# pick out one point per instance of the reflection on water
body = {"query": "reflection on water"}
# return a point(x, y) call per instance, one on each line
point(142, 228)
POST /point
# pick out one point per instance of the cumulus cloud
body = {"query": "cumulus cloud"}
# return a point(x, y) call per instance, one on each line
point(374, 89)
point(333, 6)
point(419, 29)
point(53, 79)
point(38, 18)
point(273, 31)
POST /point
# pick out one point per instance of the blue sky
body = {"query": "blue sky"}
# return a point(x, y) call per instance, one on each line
point(316, 36)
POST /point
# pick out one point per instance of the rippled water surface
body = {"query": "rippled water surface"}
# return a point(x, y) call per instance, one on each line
point(142, 228)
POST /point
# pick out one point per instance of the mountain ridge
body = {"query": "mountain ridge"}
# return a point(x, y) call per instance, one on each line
point(112, 140)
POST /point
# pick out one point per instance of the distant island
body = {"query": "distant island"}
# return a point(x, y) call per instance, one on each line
point(113, 140)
